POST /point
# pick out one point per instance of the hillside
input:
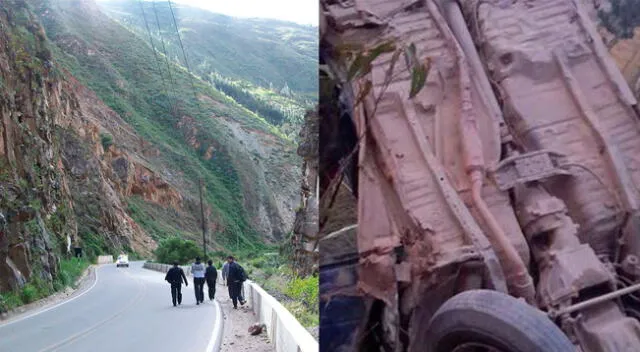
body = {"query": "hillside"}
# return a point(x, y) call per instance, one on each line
point(259, 51)
point(102, 148)
point(233, 150)
point(267, 66)
point(619, 23)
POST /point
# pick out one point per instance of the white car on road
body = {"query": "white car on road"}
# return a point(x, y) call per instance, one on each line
point(123, 260)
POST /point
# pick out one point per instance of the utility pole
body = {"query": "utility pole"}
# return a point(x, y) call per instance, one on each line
point(204, 222)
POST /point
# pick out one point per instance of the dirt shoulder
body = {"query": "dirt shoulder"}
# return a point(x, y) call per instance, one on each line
point(236, 323)
point(82, 284)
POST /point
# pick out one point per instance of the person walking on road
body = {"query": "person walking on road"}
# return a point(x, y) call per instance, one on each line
point(235, 278)
point(225, 273)
point(174, 276)
point(198, 269)
point(211, 276)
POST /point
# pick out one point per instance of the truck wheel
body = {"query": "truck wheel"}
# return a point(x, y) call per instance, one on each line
point(485, 320)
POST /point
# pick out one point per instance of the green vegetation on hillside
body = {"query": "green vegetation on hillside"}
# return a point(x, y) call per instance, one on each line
point(159, 222)
point(37, 288)
point(249, 101)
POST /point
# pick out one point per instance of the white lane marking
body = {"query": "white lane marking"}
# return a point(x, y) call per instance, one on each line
point(217, 324)
point(55, 306)
point(216, 327)
point(94, 328)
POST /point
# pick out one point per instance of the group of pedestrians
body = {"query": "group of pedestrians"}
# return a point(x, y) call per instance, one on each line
point(232, 274)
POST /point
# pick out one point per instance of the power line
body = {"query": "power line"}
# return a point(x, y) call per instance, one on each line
point(204, 222)
point(175, 24)
point(184, 54)
point(164, 50)
point(155, 54)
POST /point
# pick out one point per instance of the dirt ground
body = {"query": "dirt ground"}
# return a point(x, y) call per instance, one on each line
point(236, 338)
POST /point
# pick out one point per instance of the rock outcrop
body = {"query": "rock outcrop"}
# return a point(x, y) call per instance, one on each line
point(35, 201)
point(57, 183)
point(305, 239)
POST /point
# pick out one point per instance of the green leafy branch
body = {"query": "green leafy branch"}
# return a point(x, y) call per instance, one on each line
point(360, 65)
point(359, 62)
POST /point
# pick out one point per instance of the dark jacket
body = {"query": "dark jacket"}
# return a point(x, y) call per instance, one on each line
point(211, 274)
point(236, 273)
point(175, 275)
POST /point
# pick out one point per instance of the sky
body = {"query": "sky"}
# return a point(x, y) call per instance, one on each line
point(299, 11)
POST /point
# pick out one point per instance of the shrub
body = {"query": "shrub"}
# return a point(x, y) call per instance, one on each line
point(269, 271)
point(38, 288)
point(9, 300)
point(304, 316)
point(107, 140)
point(70, 271)
point(29, 293)
point(94, 245)
point(304, 290)
point(42, 286)
point(258, 263)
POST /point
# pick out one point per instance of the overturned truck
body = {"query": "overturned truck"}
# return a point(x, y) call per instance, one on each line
point(498, 207)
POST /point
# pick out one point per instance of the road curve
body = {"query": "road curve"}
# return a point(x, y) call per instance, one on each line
point(128, 309)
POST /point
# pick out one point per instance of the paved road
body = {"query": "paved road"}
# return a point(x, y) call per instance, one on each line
point(128, 309)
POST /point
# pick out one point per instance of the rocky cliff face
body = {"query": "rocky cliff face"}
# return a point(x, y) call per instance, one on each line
point(36, 208)
point(305, 239)
point(101, 176)
point(59, 186)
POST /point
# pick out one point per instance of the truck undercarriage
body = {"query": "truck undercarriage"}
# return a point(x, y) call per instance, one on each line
point(498, 206)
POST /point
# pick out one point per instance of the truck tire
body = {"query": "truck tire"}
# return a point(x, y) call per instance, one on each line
point(486, 320)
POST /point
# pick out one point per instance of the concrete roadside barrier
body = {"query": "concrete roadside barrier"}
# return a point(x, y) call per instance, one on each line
point(163, 268)
point(105, 259)
point(285, 332)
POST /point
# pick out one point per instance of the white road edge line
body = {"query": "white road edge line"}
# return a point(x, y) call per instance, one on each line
point(2, 325)
point(217, 327)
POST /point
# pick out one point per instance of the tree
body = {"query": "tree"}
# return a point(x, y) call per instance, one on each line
point(176, 249)
point(622, 18)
